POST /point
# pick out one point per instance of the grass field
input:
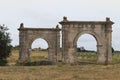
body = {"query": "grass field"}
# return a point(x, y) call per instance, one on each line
point(59, 71)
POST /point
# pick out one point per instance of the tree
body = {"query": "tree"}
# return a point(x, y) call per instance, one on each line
point(81, 49)
point(113, 50)
point(5, 47)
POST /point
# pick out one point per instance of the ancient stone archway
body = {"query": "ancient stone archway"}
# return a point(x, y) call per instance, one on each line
point(71, 31)
point(28, 35)
point(101, 30)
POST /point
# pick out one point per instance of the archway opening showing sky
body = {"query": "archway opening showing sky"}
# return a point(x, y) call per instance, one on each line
point(87, 41)
point(39, 43)
point(39, 50)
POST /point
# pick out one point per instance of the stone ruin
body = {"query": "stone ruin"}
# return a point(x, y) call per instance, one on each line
point(71, 31)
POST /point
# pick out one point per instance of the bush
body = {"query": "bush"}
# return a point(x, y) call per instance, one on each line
point(5, 47)
point(3, 62)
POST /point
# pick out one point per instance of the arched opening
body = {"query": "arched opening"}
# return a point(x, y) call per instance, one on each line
point(39, 50)
point(86, 48)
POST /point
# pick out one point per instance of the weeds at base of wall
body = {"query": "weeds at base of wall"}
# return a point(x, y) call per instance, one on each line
point(60, 64)
point(3, 62)
point(36, 63)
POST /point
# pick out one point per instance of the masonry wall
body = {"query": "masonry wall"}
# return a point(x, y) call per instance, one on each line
point(71, 31)
point(100, 30)
point(28, 35)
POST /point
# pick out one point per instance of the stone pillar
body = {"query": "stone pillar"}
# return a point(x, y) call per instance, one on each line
point(54, 46)
point(108, 40)
point(68, 50)
point(29, 54)
point(72, 55)
point(101, 51)
point(58, 43)
point(51, 55)
point(23, 53)
point(23, 56)
point(65, 57)
point(21, 43)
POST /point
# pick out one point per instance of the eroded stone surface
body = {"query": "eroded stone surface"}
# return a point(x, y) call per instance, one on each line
point(100, 30)
point(71, 31)
point(28, 35)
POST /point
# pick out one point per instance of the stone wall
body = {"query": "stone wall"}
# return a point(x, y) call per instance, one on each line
point(100, 30)
point(28, 35)
point(71, 31)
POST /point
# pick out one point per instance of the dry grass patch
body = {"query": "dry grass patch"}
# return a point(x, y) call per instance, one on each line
point(58, 71)
point(66, 72)
point(35, 56)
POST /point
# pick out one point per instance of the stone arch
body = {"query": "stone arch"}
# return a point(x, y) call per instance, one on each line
point(84, 39)
point(92, 34)
point(97, 38)
point(40, 50)
point(48, 42)
point(71, 30)
point(28, 35)
point(101, 30)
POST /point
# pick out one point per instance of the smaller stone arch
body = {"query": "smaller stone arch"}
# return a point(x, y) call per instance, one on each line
point(39, 47)
point(50, 48)
point(28, 35)
point(31, 42)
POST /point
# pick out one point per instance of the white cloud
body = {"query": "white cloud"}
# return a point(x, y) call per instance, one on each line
point(47, 13)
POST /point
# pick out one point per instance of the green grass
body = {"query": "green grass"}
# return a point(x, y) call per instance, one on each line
point(92, 57)
point(87, 57)
point(43, 56)
point(116, 57)
point(60, 71)
point(35, 56)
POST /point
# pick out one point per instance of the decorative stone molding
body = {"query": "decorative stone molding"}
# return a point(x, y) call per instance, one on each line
point(71, 31)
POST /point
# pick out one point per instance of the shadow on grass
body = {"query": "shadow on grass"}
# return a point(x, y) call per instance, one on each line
point(45, 63)
point(85, 63)
point(38, 63)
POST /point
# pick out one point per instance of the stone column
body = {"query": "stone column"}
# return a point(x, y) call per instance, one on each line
point(108, 40)
point(23, 56)
point(52, 56)
point(24, 53)
point(72, 54)
point(64, 40)
point(50, 52)
point(58, 43)
point(68, 50)
point(29, 54)
point(21, 43)
point(101, 51)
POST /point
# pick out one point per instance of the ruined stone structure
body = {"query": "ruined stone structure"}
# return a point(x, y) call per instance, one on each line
point(28, 35)
point(100, 30)
point(71, 31)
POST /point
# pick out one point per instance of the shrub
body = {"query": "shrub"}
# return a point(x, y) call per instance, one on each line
point(5, 47)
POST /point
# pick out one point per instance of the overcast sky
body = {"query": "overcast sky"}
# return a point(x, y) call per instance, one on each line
point(47, 13)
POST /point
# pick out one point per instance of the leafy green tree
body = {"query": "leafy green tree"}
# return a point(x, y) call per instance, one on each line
point(5, 47)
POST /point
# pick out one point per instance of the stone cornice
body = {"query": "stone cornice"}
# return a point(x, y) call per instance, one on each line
point(45, 29)
point(86, 22)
